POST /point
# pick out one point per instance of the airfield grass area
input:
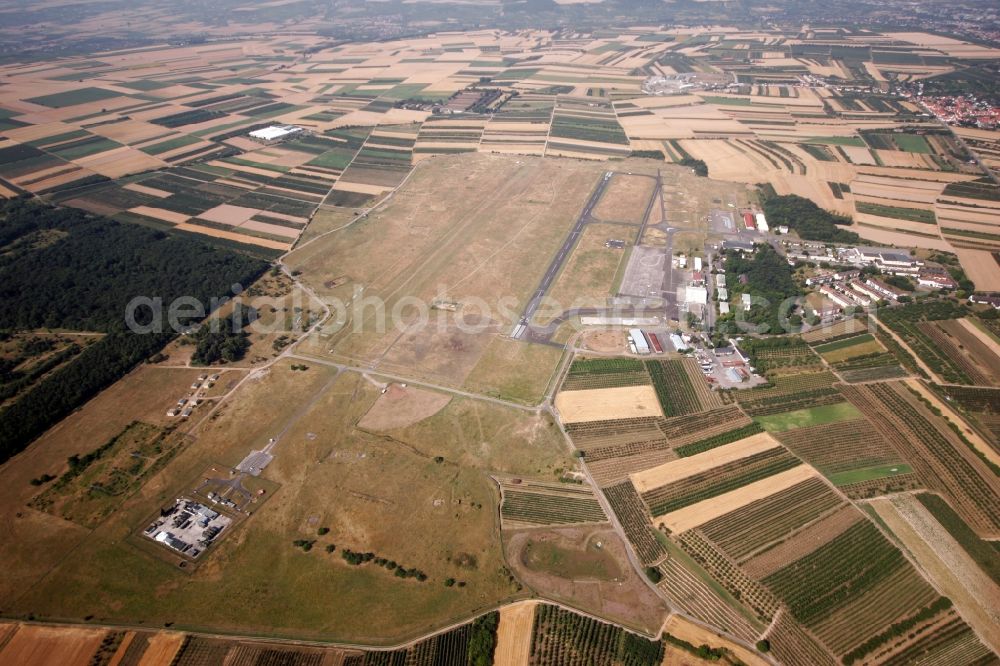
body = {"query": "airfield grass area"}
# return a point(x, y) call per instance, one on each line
point(588, 276)
point(475, 232)
point(418, 495)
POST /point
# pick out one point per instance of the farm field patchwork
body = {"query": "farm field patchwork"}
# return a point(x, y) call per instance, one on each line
point(426, 469)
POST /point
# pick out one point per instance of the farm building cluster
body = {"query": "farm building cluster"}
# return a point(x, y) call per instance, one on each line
point(199, 388)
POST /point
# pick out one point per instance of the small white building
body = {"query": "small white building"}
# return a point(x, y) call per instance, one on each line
point(275, 133)
point(697, 264)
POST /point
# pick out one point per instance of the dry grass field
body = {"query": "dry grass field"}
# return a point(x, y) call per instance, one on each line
point(399, 407)
point(386, 494)
point(587, 278)
point(626, 198)
point(585, 568)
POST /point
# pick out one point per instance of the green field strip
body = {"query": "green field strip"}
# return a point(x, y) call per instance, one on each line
point(801, 418)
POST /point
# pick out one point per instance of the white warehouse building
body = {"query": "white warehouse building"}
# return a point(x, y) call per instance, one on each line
point(639, 340)
point(275, 133)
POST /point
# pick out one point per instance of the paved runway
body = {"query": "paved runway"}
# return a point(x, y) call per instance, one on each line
point(567, 247)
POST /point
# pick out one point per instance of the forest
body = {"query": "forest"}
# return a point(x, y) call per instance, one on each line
point(806, 218)
point(63, 268)
point(769, 281)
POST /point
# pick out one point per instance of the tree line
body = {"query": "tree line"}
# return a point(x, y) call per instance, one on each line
point(806, 218)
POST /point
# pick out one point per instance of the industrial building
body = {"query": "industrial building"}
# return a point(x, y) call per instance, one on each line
point(188, 527)
point(936, 281)
point(698, 295)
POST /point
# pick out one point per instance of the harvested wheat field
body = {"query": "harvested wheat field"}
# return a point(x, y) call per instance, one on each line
point(701, 512)
point(514, 634)
point(610, 403)
point(34, 645)
point(161, 649)
point(696, 634)
point(685, 467)
point(399, 407)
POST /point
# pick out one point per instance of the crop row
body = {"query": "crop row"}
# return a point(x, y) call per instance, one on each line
point(873, 360)
point(958, 368)
point(624, 450)
point(751, 593)
point(897, 629)
point(598, 366)
point(793, 401)
point(744, 531)
point(905, 321)
point(673, 388)
point(850, 445)
point(562, 638)
point(719, 480)
point(976, 399)
point(614, 431)
point(842, 329)
point(543, 509)
point(580, 382)
point(683, 430)
point(936, 457)
point(885, 602)
point(716, 441)
point(768, 353)
point(836, 573)
point(631, 512)
point(786, 384)
point(794, 647)
point(690, 592)
point(703, 393)
point(610, 471)
point(944, 640)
